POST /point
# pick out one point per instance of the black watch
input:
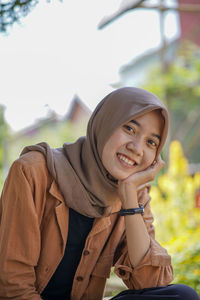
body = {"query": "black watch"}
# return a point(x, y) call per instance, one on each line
point(132, 211)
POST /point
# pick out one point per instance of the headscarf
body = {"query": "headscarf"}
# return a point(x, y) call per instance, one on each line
point(78, 168)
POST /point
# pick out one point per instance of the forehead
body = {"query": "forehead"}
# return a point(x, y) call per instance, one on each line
point(151, 121)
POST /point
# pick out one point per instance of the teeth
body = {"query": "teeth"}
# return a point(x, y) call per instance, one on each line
point(126, 160)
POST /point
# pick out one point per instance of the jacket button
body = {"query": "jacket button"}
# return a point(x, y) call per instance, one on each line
point(79, 278)
point(86, 252)
point(122, 272)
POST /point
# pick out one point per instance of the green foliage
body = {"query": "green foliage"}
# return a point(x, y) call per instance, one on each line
point(181, 81)
point(177, 220)
point(12, 11)
point(179, 88)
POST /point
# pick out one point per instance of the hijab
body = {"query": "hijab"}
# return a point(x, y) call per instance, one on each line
point(77, 168)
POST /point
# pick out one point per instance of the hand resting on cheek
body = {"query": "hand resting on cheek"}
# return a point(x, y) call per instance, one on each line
point(129, 187)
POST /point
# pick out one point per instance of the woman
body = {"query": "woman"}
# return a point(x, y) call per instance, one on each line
point(69, 214)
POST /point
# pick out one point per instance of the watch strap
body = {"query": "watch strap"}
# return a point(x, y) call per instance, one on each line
point(132, 211)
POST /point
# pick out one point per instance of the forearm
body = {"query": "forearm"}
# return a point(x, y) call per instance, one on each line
point(138, 239)
point(154, 268)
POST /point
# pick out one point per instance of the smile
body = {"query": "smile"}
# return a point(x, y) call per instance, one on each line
point(126, 160)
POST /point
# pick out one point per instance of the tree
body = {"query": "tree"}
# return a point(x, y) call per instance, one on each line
point(12, 11)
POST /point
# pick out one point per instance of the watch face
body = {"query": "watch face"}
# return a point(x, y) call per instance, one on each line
point(139, 210)
point(142, 210)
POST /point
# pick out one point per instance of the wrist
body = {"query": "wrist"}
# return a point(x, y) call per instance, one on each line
point(129, 199)
point(130, 202)
point(132, 211)
point(130, 205)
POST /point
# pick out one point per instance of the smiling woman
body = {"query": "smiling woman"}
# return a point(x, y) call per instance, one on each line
point(69, 214)
point(133, 146)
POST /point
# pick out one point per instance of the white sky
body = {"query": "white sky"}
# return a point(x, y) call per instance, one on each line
point(58, 51)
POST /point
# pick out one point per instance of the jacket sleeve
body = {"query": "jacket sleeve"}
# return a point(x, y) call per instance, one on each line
point(19, 237)
point(155, 268)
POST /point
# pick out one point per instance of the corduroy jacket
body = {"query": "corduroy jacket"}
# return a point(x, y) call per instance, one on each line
point(33, 234)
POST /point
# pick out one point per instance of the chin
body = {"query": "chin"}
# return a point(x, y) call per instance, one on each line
point(121, 176)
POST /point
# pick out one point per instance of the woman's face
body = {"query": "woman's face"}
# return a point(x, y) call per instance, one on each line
point(133, 146)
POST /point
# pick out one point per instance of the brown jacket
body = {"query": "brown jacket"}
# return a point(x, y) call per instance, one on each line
point(33, 235)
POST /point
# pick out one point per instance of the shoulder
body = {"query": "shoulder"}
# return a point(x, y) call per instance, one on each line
point(32, 165)
point(32, 158)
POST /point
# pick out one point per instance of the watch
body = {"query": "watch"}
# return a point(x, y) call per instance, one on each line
point(132, 211)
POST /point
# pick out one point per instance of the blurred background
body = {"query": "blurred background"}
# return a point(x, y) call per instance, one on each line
point(58, 59)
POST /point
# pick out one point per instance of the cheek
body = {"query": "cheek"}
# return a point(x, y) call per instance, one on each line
point(150, 157)
point(109, 151)
point(112, 144)
point(106, 154)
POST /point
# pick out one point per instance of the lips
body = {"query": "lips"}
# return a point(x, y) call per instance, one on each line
point(126, 160)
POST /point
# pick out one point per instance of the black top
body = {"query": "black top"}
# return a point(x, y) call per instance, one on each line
point(60, 284)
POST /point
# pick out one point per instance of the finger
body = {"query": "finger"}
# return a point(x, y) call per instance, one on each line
point(143, 186)
point(158, 164)
point(154, 169)
point(160, 160)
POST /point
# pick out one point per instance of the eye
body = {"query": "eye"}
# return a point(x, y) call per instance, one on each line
point(152, 143)
point(129, 128)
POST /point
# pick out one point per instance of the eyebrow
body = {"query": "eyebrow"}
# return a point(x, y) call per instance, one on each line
point(153, 134)
point(157, 136)
point(136, 123)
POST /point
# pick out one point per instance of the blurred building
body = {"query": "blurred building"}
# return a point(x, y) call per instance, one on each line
point(53, 129)
point(135, 72)
point(190, 21)
point(78, 114)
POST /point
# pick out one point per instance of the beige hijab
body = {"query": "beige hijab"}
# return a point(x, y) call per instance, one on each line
point(78, 168)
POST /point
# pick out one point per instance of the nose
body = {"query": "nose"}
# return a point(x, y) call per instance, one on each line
point(136, 147)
